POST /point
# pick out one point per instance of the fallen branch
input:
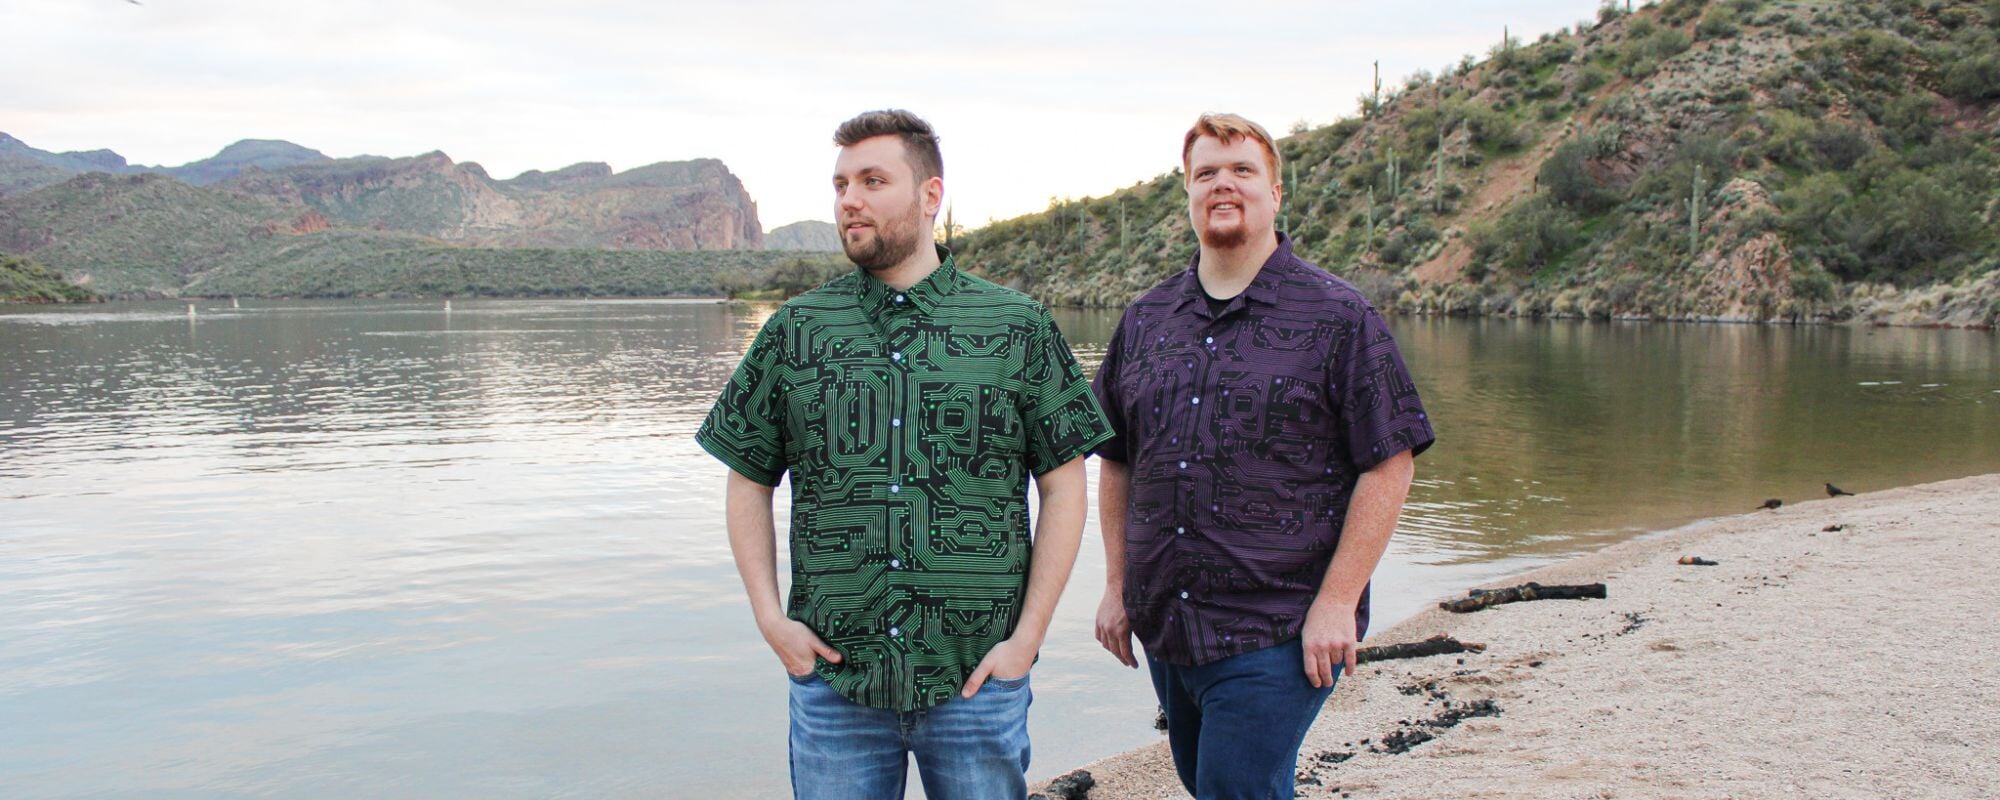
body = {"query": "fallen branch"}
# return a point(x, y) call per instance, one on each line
point(1476, 599)
point(1439, 645)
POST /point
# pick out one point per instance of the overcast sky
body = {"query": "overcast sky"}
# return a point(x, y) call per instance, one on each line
point(1033, 99)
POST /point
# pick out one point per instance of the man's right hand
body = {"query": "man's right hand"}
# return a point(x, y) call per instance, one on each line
point(797, 645)
point(1114, 629)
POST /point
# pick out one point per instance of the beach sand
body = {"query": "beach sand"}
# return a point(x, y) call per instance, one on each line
point(1863, 662)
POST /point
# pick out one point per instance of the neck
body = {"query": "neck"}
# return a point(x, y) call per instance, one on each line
point(1226, 272)
point(910, 271)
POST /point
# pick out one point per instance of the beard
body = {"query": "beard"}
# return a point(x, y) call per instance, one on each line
point(1225, 238)
point(891, 245)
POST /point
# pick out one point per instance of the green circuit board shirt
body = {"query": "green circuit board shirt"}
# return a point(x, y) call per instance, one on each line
point(909, 422)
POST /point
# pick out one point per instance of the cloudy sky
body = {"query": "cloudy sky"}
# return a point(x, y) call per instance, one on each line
point(1034, 99)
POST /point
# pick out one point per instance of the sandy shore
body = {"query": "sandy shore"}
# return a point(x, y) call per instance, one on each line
point(1863, 662)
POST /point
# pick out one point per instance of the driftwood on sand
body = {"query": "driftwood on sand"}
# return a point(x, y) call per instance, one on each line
point(1439, 645)
point(1480, 598)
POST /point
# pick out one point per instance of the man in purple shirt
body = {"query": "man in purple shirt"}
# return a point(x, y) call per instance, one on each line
point(1265, 430)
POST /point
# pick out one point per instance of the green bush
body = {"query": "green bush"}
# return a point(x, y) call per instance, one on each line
point(1534, 234)
point(1589, 79)
point(1642, 55)
point(1610, 11)
point(1720, 22)
point(1814, 285)
point(1566, 174)
point(1973, 80)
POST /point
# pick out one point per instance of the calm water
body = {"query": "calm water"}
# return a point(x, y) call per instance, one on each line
point(379, 550)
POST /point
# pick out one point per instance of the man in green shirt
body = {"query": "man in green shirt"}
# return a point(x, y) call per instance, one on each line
point(909, 402)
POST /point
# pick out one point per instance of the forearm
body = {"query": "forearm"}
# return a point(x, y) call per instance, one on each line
point(1371, 518)
point(753, 543)
point(1114, 492)
point(1058, 535)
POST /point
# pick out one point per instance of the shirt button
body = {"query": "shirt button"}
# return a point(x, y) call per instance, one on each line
point(895, 487)
point(1184, 595)
point(1194, 400)
point(899, 299)
point(896, 423)
point(895, 563)
point(1208, 340)
point(895, 631)
point(1184, 465)
point(895, 356)
point(1180, 530)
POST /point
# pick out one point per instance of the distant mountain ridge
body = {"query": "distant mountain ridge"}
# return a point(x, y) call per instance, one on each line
point(125, 230)
point(811, 234)
point(25, 168)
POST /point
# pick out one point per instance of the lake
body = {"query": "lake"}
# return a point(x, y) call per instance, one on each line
point(382, 549)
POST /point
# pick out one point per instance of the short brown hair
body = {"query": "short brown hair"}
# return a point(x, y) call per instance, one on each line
point(1228, 128)
point(920, 143)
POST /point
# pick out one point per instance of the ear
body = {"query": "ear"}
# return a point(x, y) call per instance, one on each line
point(1277, 194)
point(933, 196)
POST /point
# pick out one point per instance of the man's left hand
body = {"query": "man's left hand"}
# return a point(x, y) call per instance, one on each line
point(1328, 639)
point(1007, 660)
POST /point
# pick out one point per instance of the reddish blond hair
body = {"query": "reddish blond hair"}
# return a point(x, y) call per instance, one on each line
point(1228, 128)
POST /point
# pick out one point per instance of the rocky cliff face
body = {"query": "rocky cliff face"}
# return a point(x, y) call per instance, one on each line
point(683, 205)
point(692, 205)
point(136, 231)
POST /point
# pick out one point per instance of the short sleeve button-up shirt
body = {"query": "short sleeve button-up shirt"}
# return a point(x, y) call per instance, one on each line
point(1245, 429)
point(909, 422)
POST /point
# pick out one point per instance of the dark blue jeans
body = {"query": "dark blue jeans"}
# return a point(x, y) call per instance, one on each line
point(966, 749)
point(1235, 725)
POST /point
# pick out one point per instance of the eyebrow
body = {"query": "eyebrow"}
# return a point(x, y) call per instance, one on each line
point(1251, 162)
point(864, 172)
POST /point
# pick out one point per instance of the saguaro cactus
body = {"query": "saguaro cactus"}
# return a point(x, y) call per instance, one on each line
point(1694, 214)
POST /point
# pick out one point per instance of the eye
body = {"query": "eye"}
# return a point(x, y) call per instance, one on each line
point(874, 181)
point(1242, 169)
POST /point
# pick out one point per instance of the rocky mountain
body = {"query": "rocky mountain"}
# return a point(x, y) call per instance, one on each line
point(243, 156)
point(808, 234)
point(140, 231)
point(25, 168)
point(1694, 159)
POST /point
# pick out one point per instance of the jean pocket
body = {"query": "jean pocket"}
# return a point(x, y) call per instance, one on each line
point(803, 680)
point(1008, 684)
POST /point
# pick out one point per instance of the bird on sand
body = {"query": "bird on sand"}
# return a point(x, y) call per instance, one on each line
point(1835, 491)
point(1772, 503)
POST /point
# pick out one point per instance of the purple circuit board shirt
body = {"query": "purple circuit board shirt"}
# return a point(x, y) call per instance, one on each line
point(1245, 432)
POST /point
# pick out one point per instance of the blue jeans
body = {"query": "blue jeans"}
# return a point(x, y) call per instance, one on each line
point(967, 749)
point(1235, 725)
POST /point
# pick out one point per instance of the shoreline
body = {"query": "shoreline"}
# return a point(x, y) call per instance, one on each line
point(1808, 662)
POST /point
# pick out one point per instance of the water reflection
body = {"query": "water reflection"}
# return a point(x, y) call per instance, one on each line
point(341, 549)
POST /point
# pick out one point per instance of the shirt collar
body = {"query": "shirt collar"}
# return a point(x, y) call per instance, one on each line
point(1263, 289)
point(877, 296)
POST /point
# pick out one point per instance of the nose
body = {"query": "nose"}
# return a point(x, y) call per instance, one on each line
point(846, 198)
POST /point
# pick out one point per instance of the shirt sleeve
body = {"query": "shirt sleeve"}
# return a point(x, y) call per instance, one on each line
point(1063, 419)
point(1105, 387)
point(1380, 412)
point(746, 428)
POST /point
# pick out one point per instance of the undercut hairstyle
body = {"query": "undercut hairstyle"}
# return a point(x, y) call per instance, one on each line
point(1228, 128)
point(920, 143)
